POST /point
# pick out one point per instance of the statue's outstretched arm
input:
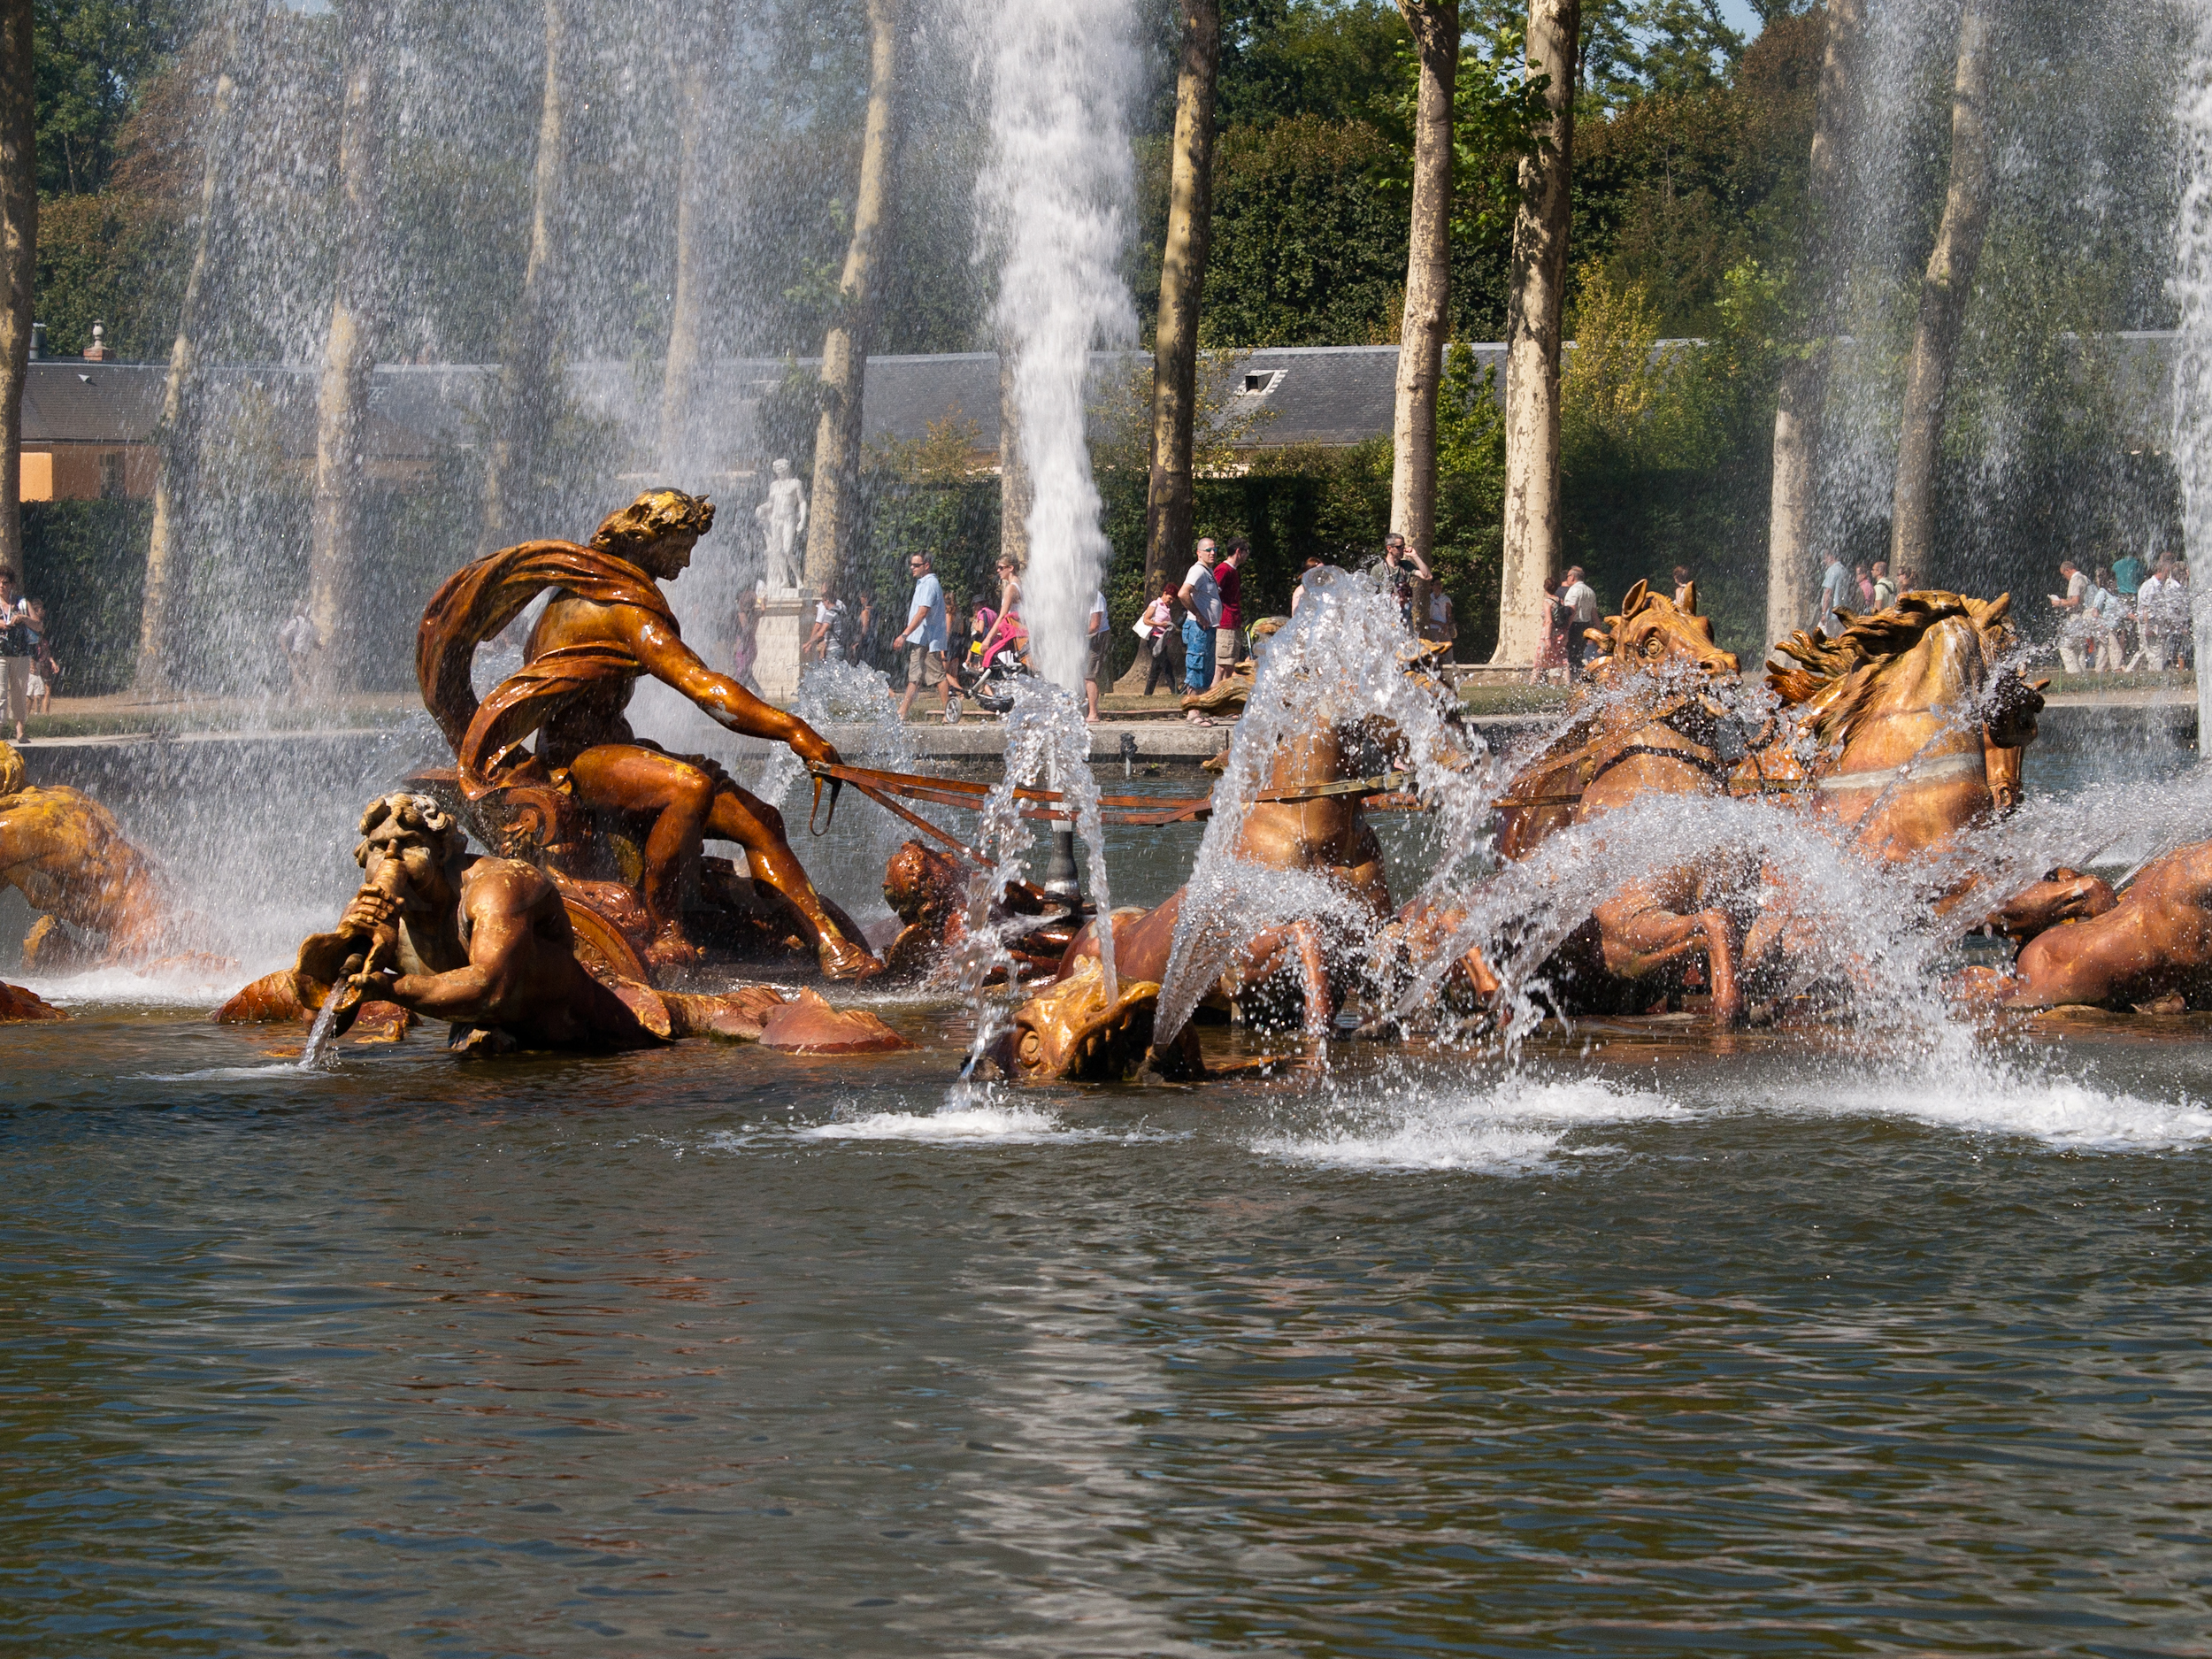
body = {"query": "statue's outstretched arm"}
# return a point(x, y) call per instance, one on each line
point(669, 660)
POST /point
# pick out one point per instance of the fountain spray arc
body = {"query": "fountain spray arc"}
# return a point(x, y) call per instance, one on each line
point(1051, 202)
point(2192, 290)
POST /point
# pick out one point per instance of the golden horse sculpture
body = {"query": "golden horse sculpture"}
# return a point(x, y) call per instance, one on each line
point(1658, 714)
point(1899, 733)
point(1916, 716)
point(67, 856)
point(1070, 1030)
point(1655, 713)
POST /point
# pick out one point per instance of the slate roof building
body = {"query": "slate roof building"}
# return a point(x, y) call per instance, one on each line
point(89, 428)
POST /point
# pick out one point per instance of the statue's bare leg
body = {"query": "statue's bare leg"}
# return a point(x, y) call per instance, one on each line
point(617, 778)
point(690, 805)
point(758, 828)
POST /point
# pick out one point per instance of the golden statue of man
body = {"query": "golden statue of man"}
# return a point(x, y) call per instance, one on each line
point(608, 626)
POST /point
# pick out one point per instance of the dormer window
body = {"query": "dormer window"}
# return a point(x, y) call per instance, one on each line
point(1260, 382)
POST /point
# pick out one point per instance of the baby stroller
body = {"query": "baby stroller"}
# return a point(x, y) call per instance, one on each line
point(986, 676)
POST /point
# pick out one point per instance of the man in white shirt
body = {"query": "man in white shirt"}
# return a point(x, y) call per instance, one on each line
point(1837, 591)
point(2073, 621)
point(1579, 597)
point(1202, 614)
point(2153, 610)
point(923, 639)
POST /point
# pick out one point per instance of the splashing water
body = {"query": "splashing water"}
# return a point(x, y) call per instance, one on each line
point(1046, 745)
point(1337, 663)
point(1051, 200)
point(321, 1053)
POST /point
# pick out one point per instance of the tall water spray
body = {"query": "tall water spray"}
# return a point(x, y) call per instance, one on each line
point(1051, 200)
point(2193, 369)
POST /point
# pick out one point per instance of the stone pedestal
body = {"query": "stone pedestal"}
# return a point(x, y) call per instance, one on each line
point(786, 619)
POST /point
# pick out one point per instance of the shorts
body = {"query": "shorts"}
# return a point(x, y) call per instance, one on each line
point(15, 689)
point(924, 666)
point(37, 688)
point(1096, 665)
point(1228, 646)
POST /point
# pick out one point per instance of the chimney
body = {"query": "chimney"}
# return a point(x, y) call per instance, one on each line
point(97, 351)
point(38, 341)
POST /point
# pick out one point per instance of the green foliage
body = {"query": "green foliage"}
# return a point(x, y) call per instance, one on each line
point(1665, 452)
point(1468, 554)
point(86, 562)
point(1673, 190)
point(1633, 47)
point(1307, 249)
point(102, 259)
point(1281, 59)
point(1497, 105)
point(90, 59)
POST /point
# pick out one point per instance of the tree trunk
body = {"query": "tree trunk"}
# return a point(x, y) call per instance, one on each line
point(1170, 497)
point(525, 381)
point(1014, 492)
point(1535, 530)
point(341, 403)
point(1944, 292)
point(834, 520)
point(160, 622)
point(19, 254)
point(1803, 396)
point(1435, 26)
point(680, 374)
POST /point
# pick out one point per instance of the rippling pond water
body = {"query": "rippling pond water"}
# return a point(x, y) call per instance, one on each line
point(1640, 1346)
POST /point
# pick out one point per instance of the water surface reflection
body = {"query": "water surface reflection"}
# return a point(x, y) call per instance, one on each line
point(716, 1350)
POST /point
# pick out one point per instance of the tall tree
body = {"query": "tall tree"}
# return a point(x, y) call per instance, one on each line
point(18, 259)
point(1944, 291)
point(1170, 498)
point(834, 521)
point(1802, 394)
point(527, 352)
point(160, 622)
point(357, 306)
point(1535, 528)
point(1427, 318)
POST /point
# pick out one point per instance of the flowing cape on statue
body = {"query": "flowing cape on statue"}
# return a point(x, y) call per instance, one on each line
point(477, 601)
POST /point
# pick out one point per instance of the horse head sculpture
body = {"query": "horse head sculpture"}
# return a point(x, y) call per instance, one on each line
point(1653, 632)
point(1905, 707)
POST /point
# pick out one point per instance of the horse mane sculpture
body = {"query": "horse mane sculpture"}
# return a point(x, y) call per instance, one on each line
point(1915, 717)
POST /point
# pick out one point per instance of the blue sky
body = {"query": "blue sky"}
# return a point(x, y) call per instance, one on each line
point(1741, 16)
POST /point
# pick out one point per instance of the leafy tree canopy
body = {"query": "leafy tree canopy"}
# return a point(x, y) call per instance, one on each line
point(90, 59)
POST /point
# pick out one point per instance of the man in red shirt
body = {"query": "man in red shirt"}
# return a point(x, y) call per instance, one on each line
point(1227, 638)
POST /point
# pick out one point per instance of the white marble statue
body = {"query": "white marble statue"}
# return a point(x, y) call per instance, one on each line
point(782, 519)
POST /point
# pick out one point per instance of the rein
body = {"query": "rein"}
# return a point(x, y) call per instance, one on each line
point(1143, 811)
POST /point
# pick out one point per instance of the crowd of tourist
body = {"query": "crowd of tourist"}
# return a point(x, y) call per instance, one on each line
point(2123, 617)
